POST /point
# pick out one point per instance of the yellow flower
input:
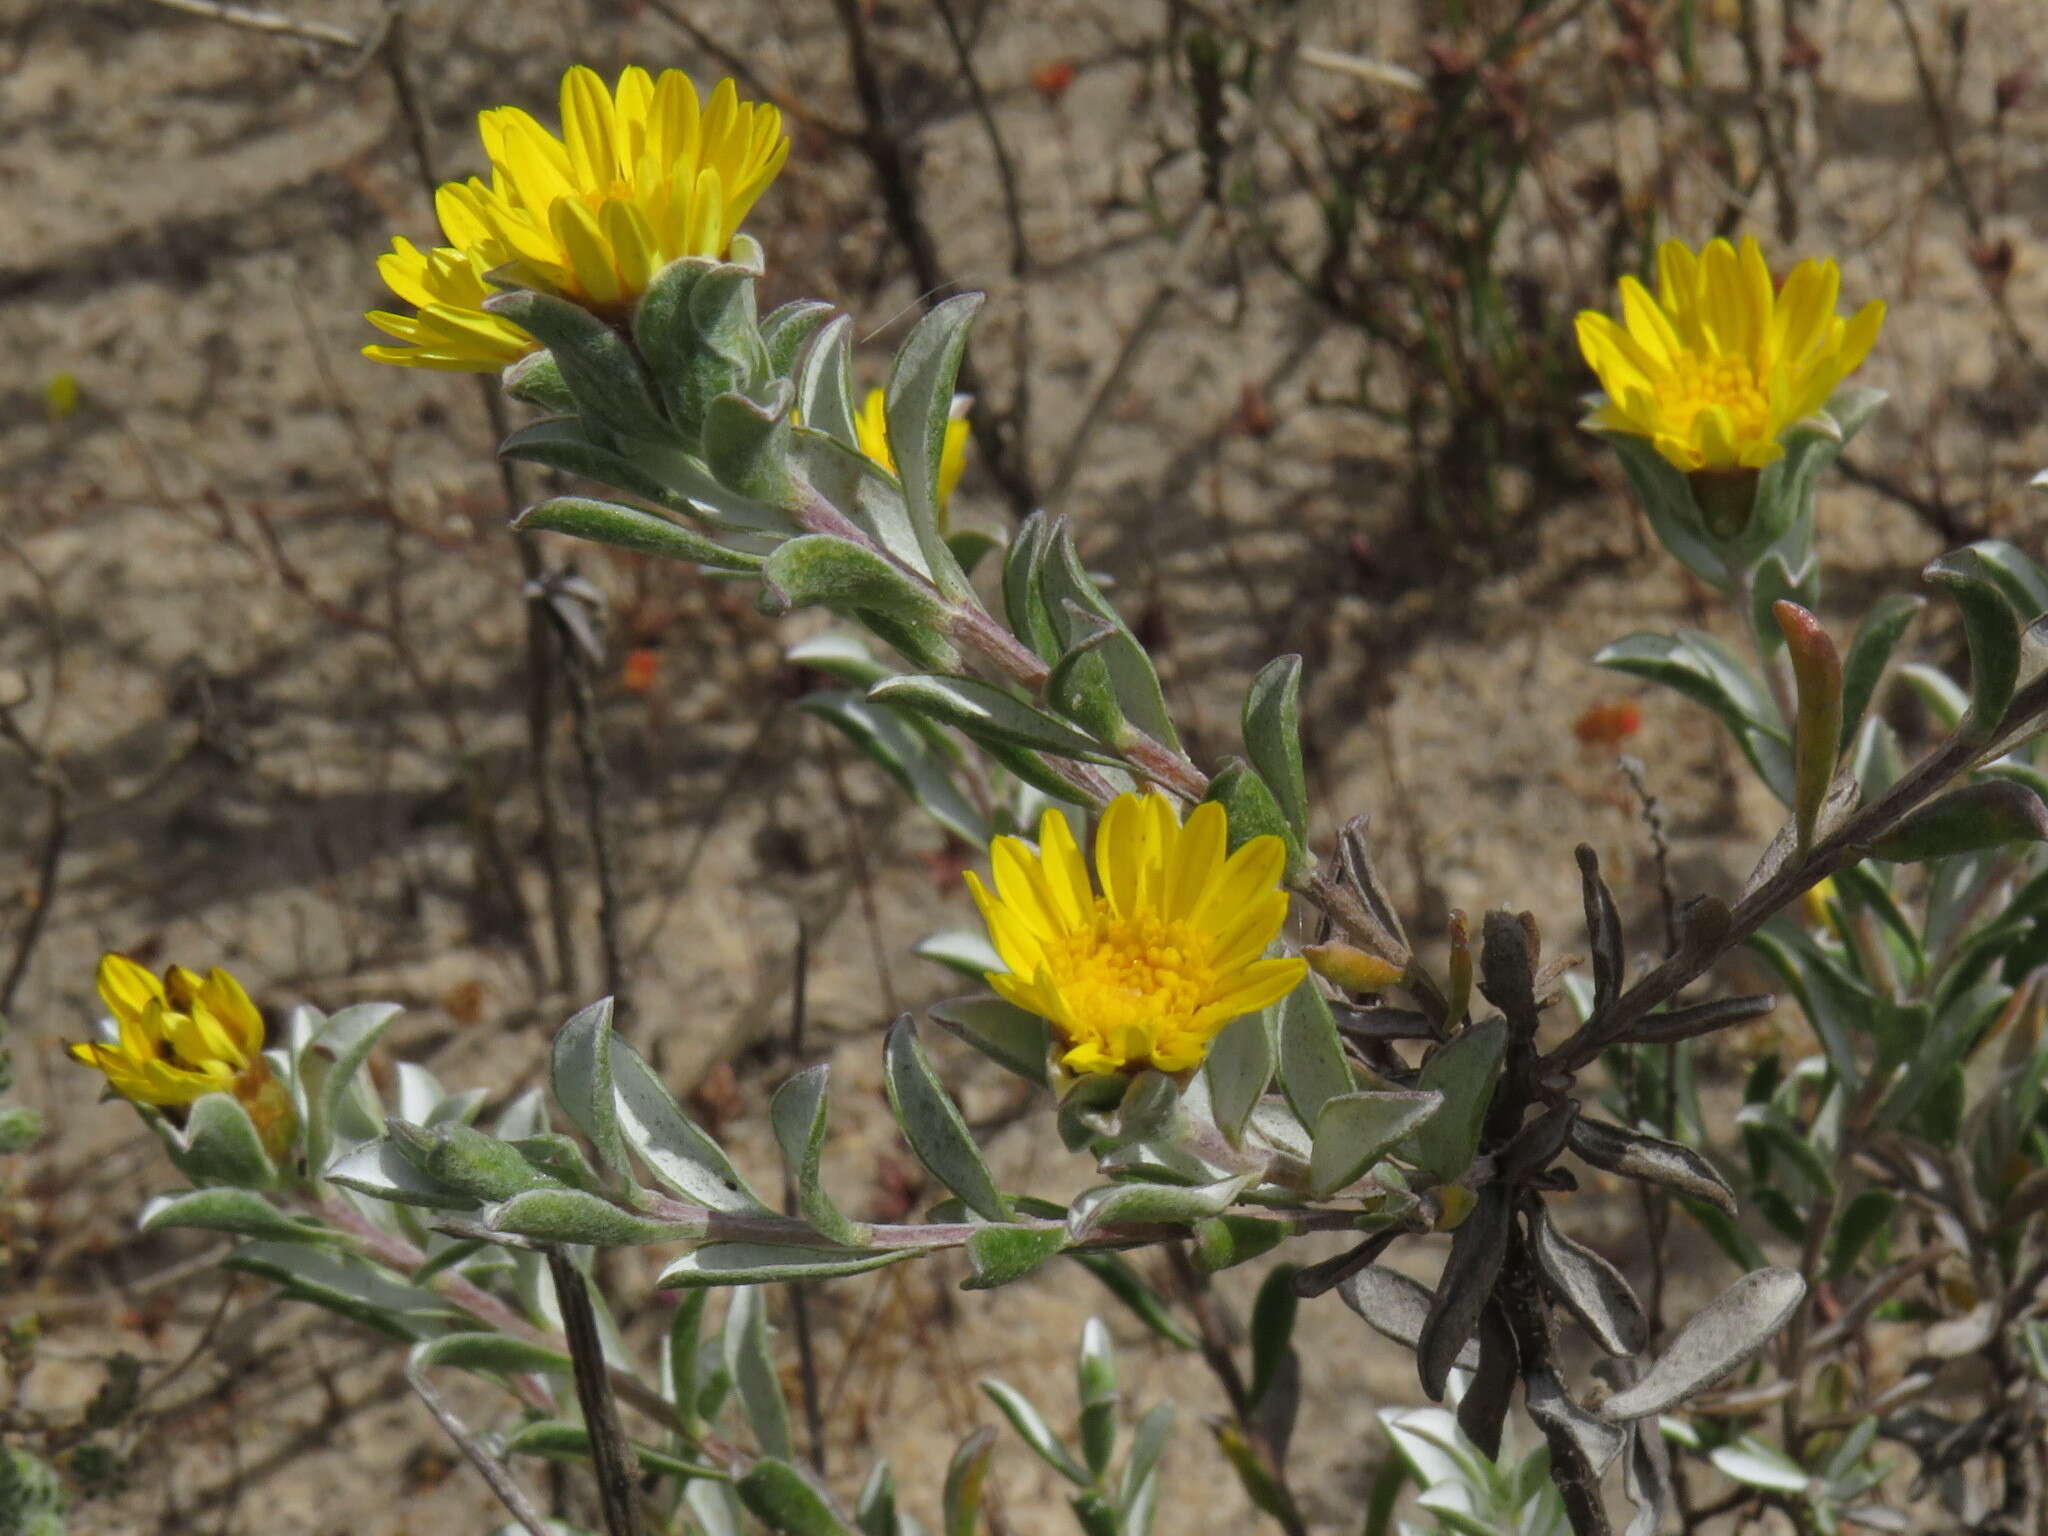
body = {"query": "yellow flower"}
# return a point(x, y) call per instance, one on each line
point(643, 174)
point(872, 426)
point(1720, 362)
point(183, 1037)
point(1147, 972)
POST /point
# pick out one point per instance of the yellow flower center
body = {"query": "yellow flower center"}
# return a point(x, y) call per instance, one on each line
point(1696, 383)
point(1129, 976)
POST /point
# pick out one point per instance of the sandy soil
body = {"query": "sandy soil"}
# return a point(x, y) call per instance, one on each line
point(262, 595)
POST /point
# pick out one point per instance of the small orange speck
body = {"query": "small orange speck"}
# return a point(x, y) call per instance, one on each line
point(638, 673)
point(1051, 80)
point(1608, 725)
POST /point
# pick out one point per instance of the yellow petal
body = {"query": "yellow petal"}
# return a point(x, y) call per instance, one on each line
point(588, 130)
point(1066, 872)
point(126, 988)
point(590, 258)
point(1197, 860)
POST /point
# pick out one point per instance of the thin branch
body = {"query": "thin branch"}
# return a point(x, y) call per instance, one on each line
point(611, 1456)
point(510, 1491)
point(597, 781)
point(266, 21)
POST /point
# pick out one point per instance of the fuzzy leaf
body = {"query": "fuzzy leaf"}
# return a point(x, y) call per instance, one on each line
point(931, 1122)
point(1650, 1160)
point(1239, 1068)
point(681, 1157)
point(624, 527)
point(597, 364)
point(798, 1111)
point(1972, 819)
point(1001, 1031)
point(1312, 1066)
point(1355, 1130)
point(571, 1216)
point(239, 1211)
point(1272, 737)
point(1592, 1289)
point(1463, 1073)
point(1001, 1254)
point(751, 1361)
point(781, 1498)
point(987, 715)
point(496, 1354)
point(1870, 652)
point(1121, 1204)
point(918, 406)
point(739, 1263)
point(1720, 1337)
point(1478, 1248)
point(1993, 630)
point(582, 1081)
point(1030, 1423)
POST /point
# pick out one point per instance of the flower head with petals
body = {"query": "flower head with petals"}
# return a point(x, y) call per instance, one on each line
point(183, 1037)
point(643, 173)
point(1147, 971)
point(1717, 364)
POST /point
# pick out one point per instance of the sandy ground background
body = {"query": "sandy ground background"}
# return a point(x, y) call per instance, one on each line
point(258, 609)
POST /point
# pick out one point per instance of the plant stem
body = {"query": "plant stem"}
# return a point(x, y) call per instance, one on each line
point(611, 1456)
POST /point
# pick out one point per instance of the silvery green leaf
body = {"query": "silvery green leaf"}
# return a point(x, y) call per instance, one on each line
point(571, 1216)
point(893, 743)
point(526, 1115)
point(824, 384)
point(419, 1093)
point(781, 1498)
point(328, 1068)
point(716, 1508)
point(581, 1074)
point(875, 1510)
point(1024, 600)
point(681, 1157)
point(1239, 1068)
point(559, 1440)
point(499, 1354)
point(960, 949)
point(596, 363)
point(1253, 812)
point(821, 570)
point(931, 1122)
point(535, 380)
point(561, 1157)
point(1992, 626)
point(1095, 1365)
point(457, 1157)
point(751, 1360)
point(1592, 1289)
point(1001, 1254)
point(219, 1144)
point(240, 1211)
point(988, 715)
point(1650, 1160)
point(1464, 1072)
point(1272, 737)
point(565, 443)
point(918, 405)
point(1001, 1031)
point(798, 1112)
point(633, 528)
point(1721, 1337)
point(1080, 688)
point(1030, 1423)
point(1994, 813)
point(839, 655)
point(1078, 612)
point(346, 1285)
point(1553, 1408)
point(1117, 1204)
point(786, 330)
point(1355, 1130)
point(1312, 1066)
point(1148, 1442)
point(1869, 654)
point(1756, 1465)
point(739, 1263)
point(966, 1473)
point(861, 490)
point(747, 445)
point(699, 330)
point(379, 1169)
point(1222, 1242)
point(1667, 500)
point(1478, 1247)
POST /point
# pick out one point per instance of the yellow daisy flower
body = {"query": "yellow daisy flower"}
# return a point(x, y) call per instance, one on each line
point(642, 174)
point(873, 428)
point(185, 1036)
point(1147, 972)
point(1718, 364)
